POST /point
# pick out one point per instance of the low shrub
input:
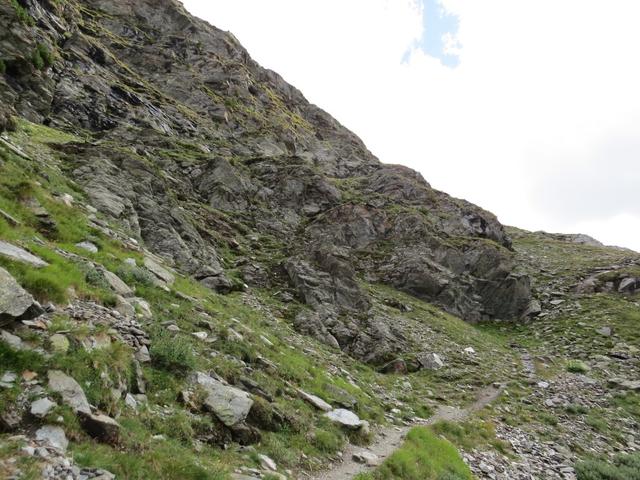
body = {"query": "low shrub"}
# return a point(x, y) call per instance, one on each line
point(42, 57)
point(173, 353)
point(22, 13)
point(577, 366)
point(622, 467)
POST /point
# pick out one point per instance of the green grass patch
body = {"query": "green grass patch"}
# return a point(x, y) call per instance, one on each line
point(174, 353)
point(423, 456)
point(22, 13)
point(577, 366)
point(41, 57)
point(470, 434)
point(622, 467)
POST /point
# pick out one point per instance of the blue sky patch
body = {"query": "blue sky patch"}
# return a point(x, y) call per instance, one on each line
point(439, 36)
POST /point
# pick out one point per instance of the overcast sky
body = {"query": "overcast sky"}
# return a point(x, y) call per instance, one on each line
point(530, 109)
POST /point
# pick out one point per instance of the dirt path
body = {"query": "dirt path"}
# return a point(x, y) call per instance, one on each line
point(390, 438)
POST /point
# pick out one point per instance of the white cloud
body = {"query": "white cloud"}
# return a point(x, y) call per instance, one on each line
point(546, 93)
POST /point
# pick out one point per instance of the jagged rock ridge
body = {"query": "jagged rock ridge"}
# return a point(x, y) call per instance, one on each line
point(227, 172)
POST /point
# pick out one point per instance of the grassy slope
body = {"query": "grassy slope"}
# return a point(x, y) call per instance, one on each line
point(309, 441)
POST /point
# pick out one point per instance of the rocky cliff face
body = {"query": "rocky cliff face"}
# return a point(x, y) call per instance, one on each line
point(226, 172)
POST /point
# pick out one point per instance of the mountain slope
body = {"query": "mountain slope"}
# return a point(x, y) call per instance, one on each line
point(210, 160)
point(196, 264)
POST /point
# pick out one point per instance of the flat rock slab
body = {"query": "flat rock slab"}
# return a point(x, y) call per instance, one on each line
point(317, 402)
point(344, 417)
point(159, 271)
point(231, 405)
point(20, 255)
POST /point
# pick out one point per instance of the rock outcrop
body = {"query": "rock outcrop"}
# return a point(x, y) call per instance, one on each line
point(198, 151)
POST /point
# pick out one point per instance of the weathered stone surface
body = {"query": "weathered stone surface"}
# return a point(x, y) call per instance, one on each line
point(10, 339)
point(267, 463)
point(316, 401)
point(345, 418)
point(430, 361)
point(40, 408)
point(231, 405)
point(15, 302)
point(629, 285)
point(53, 436)
point(88, 246)
point(71, 392)
point(159, 271)
point(117, 284)
point(20, 255)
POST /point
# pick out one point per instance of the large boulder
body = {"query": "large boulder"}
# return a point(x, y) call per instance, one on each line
point(231, 405)
point(15, 302)
point(71, 392)
point(344, 418)
point(100, 427)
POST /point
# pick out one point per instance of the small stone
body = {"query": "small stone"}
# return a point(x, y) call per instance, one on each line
point(200, 335)
point(41, 408)
point(15, 302)
point(29, 450)
point(367, 458)
point(130, 401)
point(605, 331)
point(52, 436)
point(469, 351)
point(142, 355)
point(67, 199)
point(88, 246)
point(430, 361)
point(12, 340)
point(8, 379)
